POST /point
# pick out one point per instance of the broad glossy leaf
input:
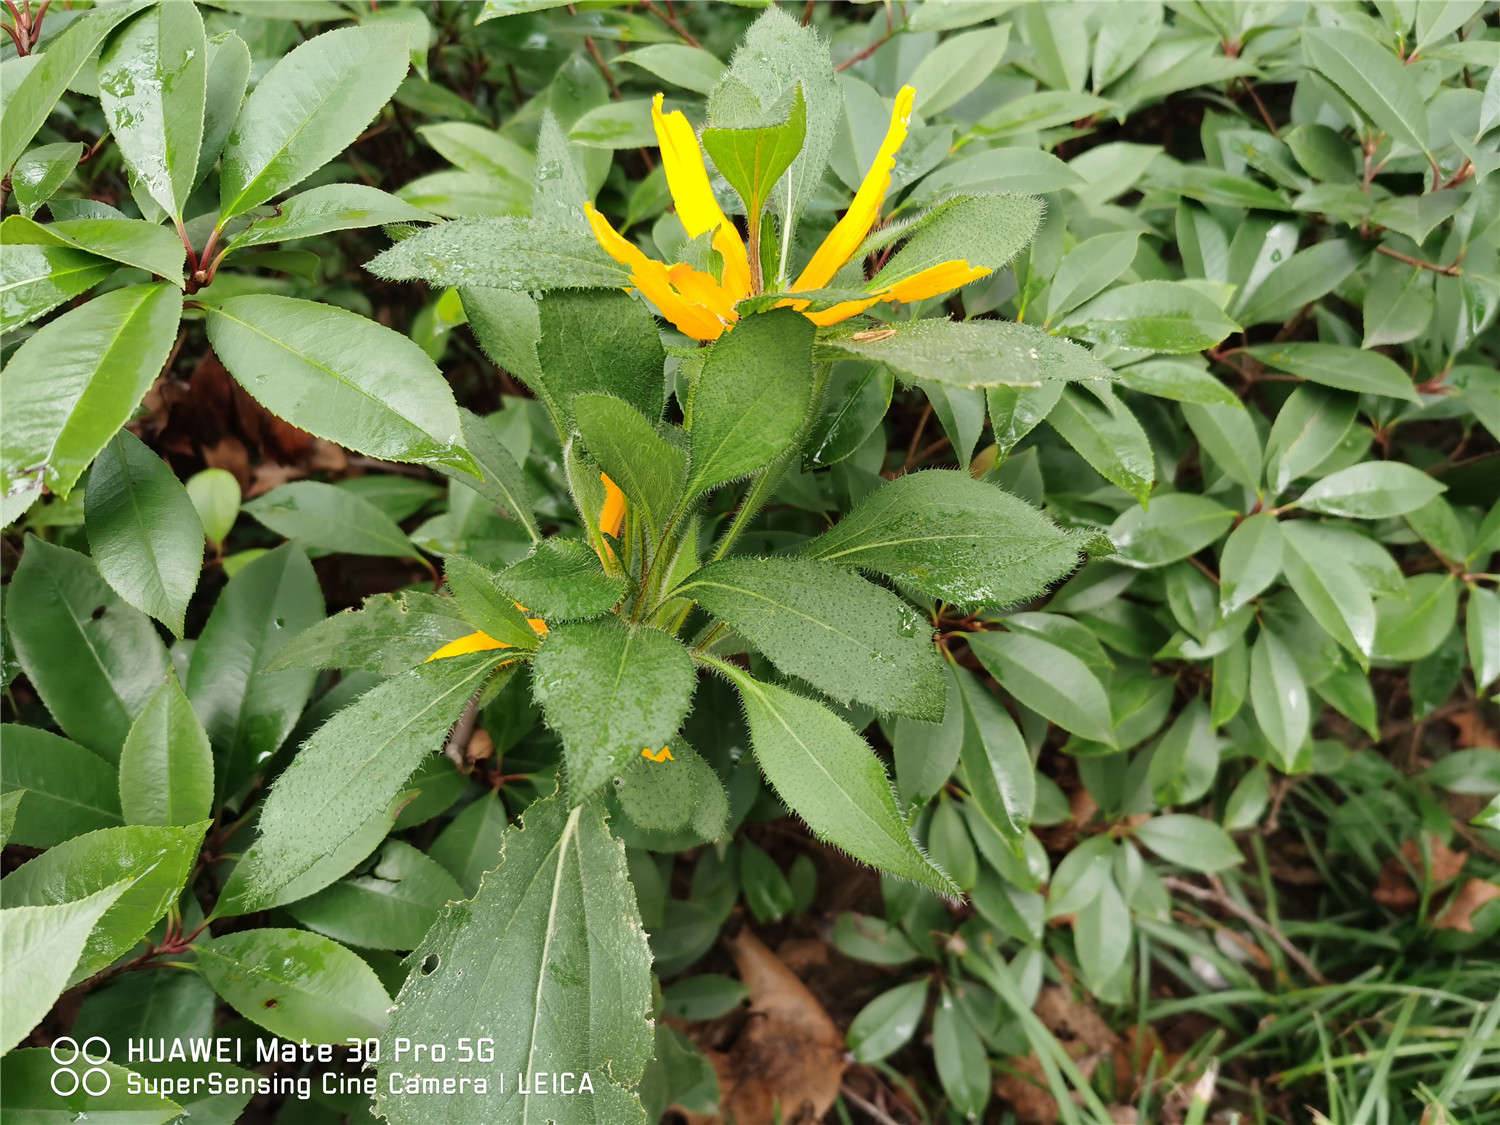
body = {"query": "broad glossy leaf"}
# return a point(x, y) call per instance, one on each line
point(28, 1094)
point(1250, 561)
point(1088, 268)
point(1278, 696)
point(997, 766)
point(1334, 592)
point(157, 859)
point(1190, 841)
point(1181, 380)
point(390, 907)
point(963, 1064)
point(68, 790)
point(1336, 365)
point(1307, 431)
point(976, 353)
point(503, 253)
point(846, 637)
point(952, 537)
point(1176, 525)
point(143, 530)
point(93, 659)
point(886, 1023)
point(1228, 435)
point(1048, 679)
point(1300, 280)
point(751, 398)
point(828, 775)
point(550, 958)
point(167, 765)
point(298, 985)
point(153, 86)
point(350, 771)
point(42, 946)
point(307, 108)
point(32, 99)
point(1412, 624)
point(131, 242)
point(323, 517)
point(1371, 490)
point(228, 75)
point(692, 68)
point(340, 376)
point(215, 494)
point(1102, 430)
point(1372, 78)
point(1155, 316)
point(610, 690)
point(956, 66)
point(36, 279)
point(321, 210)
point(247, 710)
point(1482, 630)
point(40, 172)
point(73, 384)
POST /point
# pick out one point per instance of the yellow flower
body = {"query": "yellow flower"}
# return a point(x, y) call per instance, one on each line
point(658, 756)
point(703, 306)
point(483, 642)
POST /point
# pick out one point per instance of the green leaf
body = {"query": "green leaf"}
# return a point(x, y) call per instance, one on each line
point(480, 150)
point(143, 530)
point(599, 342)
point(1334, 592)
point(1300, 280)
point(680, 793)
point(337, 375)
point(1155, 316)
point(1048, 679)
point(1374, 81)
point(33, 98)
point(1371, 490)
point(1307, 431)
point(886, 1023)
point(997, 766)
point(326, 518)
point(93, 659)
point(228, 75)
point(1412, 624)
point(153, 86)
point(68, 789)
point(470, 845)
point(166, 765)
point(615, 124)
point(29, 1093)
point(322, 210)
point(949, 536)
point(1336, 365)
point(704, 997)
point(561, 580)
point(1044, 109)
point(156, 859)
point(1089, 267)
point(77, 380)
point(1278, 696)
point(847, 638)
point(986, 231)
point(1190, 841)
point(976, 353)
point(550, 958)
point(963, 1065)
point(131, 242)
point(503, 253)
point(390, 907)
point(753, 160)
point(39, 173)
point(1185, 759)
point(1228, 435)
point(308, 108)
point(1398, 303)
point(42, 946)
point(1250, 561)
point(1482, 628)
point(215, 495)
point(1102, 936)
point(958, 64)
point(480, 599)
point(247, 710)
point(751, 398)
point(692, 68)
point(649, 469)
point(1175, 526)
point(297, 985)
point(1181, 380)
point(36, 279)
point(610, 691)
point(386, 635)
point(500, 479)
point(348, 774)
point(1015, 412)
point(828, 775)
point(1102, 431)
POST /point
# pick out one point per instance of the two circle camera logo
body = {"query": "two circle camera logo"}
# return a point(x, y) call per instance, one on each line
point(80, 1067)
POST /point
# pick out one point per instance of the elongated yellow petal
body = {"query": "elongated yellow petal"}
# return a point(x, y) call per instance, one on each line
point(538, 626)
point(471, 642)
point(941, 278)
point(658, 756)
point(687, 180)
point(612, 514)
point(842, 311)
point(651, 278)
point(850, 231)
point(701, 289)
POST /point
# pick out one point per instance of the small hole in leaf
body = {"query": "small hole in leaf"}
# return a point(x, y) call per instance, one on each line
point(280, 622)
point(98, 613)
point(430, 964)
point(272, 1002)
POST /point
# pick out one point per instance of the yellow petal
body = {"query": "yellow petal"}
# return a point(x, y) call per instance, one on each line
point(850, 231)
point(687, 180)
point(842, 311)
point(473, 642)
point(538, 626)
point(651, 278)
point(700, 288)
point(658, 756)
point(941, 278)
point(612, 514)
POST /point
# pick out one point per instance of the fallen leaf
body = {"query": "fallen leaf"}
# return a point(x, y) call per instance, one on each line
point(1082, 1033)
point(1459, 913)
point(1394, 889)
